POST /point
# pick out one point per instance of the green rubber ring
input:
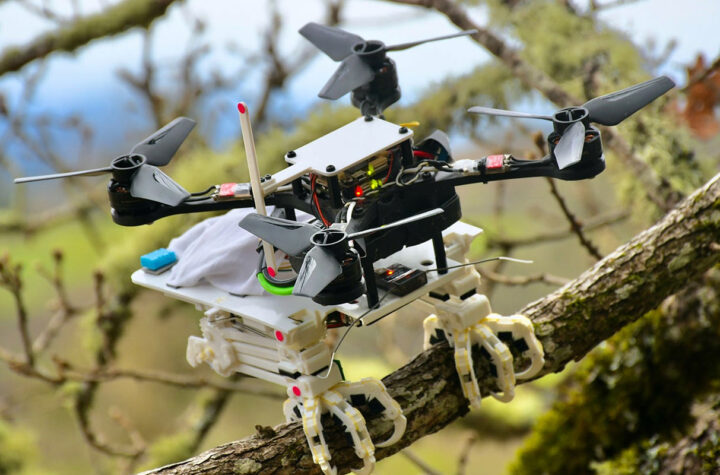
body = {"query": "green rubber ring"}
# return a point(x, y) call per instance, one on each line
point(274, 289)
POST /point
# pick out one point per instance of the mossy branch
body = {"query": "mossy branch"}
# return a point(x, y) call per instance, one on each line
point(111, 21)
point(618, 290)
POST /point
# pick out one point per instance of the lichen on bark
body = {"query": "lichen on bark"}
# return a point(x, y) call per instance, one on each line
point(634, 392)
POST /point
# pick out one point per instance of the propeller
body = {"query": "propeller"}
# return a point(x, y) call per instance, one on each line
point(324, 248)
point(610, 109)
point(361, 59)
point(138, 169)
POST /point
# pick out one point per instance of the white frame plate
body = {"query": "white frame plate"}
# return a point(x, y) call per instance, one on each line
point(275, 310)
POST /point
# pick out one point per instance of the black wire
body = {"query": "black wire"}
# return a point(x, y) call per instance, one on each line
point(200, 193)
point(196, 198)
point(262, 267)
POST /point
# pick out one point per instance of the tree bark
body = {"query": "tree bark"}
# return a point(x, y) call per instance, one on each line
point(618, 290)
point(111, 21)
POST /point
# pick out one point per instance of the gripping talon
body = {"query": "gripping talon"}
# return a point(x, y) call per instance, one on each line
point(313, 431)
point(521, 328)
point(503, 361)
point(373, 388)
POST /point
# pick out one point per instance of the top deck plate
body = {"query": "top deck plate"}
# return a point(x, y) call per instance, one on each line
point(342, 148)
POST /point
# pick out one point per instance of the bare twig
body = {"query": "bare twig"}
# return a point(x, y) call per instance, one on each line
point(111, 21)
point(11, 279)
point(657, 188)
point(419, 463)
point(591, 224)
point(465, 453)
point(545, 278)
point(574, 223)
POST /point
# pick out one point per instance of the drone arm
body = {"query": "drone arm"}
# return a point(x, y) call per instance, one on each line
point(507, 167)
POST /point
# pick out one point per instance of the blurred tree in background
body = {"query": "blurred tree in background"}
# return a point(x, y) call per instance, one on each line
point(94, 378)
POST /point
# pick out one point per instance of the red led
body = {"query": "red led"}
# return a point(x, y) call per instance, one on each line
point(390, 272)
point(358, 191)
point(279, 335)
point(296, 391)
point(271, 271)
point(494, 161)
point(241, 107)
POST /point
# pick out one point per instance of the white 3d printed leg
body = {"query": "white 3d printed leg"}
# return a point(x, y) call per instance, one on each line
point(299, 360)
point(467, 322)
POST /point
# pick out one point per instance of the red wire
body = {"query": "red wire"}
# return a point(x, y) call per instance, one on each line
point(313, 179)
point(422, 154)
point(390, 165)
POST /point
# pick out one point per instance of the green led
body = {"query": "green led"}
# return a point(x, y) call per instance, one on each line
point(371, 170)
point(375, 184)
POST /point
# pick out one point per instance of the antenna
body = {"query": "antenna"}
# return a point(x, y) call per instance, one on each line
point(254, 171)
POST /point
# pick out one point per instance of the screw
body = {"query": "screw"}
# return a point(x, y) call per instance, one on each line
point(403, 130)
point(330, 168)
point(291, 154)
point(268, 176)
point(368, 118)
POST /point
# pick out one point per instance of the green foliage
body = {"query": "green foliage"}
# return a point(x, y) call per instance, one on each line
point(17, 449)
point(563, 44)
point(169, 449)
point(639, 384)
point(444, 105)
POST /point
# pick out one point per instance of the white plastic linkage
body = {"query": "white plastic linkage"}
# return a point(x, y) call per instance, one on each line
point(469, 322)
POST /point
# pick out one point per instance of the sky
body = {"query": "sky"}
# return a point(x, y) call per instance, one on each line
point(87, 83)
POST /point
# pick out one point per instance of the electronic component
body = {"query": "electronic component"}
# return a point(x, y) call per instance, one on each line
point(158, 261)
point(400, 279)
point(232, 191)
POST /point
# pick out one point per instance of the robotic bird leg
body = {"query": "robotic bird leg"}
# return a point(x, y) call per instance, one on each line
point(299, 360)
point(465, 319)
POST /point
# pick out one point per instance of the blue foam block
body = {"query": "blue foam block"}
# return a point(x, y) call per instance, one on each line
point(158, 258)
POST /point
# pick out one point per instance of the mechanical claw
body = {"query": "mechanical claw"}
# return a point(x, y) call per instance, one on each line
point(339, 400)
point(376, 394)
point(485, 332)
point(521, 328)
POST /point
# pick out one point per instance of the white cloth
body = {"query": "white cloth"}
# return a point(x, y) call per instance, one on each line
point(220, 252)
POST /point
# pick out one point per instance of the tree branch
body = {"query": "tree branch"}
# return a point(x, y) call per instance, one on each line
point(618, 290)
point(112, 21)
point(657, 189)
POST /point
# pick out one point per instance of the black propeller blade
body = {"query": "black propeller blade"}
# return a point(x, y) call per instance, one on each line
point(150, 183)
point(613, 108)
point(361, 59)
point(610, 109)
point(319, 268)
point(93, 172)
point(136, 169)
point(161, 146)
point(334, 42)
point(321, 264)
point(291, 237)
point(569, 148)
point(352, 73)
point(394, 224)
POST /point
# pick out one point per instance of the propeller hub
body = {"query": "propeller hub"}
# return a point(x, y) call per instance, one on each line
point(371, 52)
point(564, 118)
point(125, 166)
point(328, 237)
point(334, 240)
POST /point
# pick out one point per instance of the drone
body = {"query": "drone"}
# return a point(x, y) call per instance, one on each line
point(386, 234)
